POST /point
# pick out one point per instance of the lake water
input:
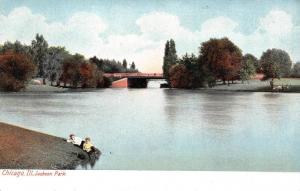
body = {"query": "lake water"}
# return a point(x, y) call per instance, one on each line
point(165, 129)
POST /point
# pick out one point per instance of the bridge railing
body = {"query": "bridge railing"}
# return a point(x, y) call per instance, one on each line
point(124, 75)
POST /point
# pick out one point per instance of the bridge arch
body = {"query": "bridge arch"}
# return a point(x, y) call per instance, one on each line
point(132, 80)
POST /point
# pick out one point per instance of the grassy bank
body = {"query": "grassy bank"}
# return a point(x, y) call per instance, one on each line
point(44, 88)
point(293, 85)
point(260, 86)
point(253, 85)
point(25, 149)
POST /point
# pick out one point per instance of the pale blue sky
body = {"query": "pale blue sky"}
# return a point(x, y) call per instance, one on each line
point(121, 14)
point(246, 22)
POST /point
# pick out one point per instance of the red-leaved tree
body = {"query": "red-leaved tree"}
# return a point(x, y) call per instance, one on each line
point(15, 70)
point(91, 77)
point(222, 58)
point(179, 76)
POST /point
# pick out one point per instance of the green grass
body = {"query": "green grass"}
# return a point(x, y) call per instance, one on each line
point(293, 83)
point(287, 81)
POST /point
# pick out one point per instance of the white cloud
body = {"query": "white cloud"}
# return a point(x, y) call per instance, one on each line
point(21, 24)
point(277, 22)
point(82, 33)
point(159, 25)
point(218, 27)
point(83, 22)
point(133, 47)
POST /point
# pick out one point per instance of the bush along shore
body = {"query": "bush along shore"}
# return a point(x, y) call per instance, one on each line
point(25, 149)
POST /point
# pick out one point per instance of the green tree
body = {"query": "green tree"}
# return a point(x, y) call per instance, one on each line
point(99, 62)
point(188, 73)
point(16, 47)
point(166, 59)
point(194, 69)
point(275, 63)
point(173, 53)
point(170, 58)
point(39, 48)
point(132, 66)
point(112, 66)
point(296, 70)
point(253, 60)
point(54, 63)
point(124, 64)
point(71, 70)
point(247, 69)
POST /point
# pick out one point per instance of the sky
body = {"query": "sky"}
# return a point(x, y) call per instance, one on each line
point(138, 30)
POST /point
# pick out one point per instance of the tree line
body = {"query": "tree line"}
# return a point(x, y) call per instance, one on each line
point(19, 63)
point(221, 60)
point(113, 66)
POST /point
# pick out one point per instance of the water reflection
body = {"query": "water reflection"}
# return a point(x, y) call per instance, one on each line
point(171, 106)
point(279, 105)
point(218, 110)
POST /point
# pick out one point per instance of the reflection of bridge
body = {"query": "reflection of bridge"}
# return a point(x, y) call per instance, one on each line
point(132, 80)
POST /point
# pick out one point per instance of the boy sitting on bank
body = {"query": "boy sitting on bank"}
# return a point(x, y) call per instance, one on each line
point(88, 146)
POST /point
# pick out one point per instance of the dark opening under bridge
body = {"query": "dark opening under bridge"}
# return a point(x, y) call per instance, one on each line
point(132, 80)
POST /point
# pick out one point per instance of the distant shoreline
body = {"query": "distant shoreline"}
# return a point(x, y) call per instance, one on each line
point(247, 86)
point(257, 86)
point(44, 88)
point(21, 148)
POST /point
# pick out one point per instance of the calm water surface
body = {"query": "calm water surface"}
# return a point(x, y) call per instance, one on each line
point(162, 129)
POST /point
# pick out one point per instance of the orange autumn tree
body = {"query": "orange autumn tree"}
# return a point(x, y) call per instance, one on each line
point(87, 75)
point(91, 77)
point(15, 70)
point(179, 76)
point(222, 58)
point(77, 71)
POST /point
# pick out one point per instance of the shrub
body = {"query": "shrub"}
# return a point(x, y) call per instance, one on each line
point(179, 76)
